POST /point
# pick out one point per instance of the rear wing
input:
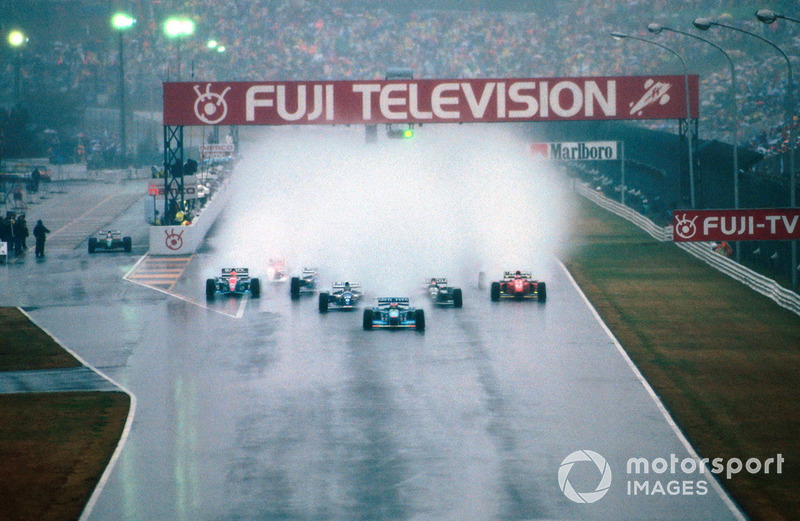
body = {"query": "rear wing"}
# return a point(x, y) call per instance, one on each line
point(309, 271)
point(512, 274)
point(340, 285)
point(385, 301)
point(240, 272)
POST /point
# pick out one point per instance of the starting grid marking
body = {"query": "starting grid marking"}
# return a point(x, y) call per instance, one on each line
point(159, 271)
point(162, 273)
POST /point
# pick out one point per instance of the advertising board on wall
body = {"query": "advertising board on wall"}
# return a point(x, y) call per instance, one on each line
point(577, 151)
point(780, 224)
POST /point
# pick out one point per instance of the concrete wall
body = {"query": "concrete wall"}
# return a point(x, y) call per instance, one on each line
point(184, 240)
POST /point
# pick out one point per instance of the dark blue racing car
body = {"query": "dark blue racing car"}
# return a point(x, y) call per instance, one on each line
point(233, 281)
point(394, 313)
point(343, 295)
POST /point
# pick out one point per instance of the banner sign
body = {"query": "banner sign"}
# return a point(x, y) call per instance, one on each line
point(216, 151)
point(781, 224)
point(191, 188)
point(429, 101)
point(580, 151)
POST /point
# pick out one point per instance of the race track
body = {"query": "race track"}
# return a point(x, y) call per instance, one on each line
point(266, 409)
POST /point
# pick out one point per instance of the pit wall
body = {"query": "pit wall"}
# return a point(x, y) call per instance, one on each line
point(185, 240)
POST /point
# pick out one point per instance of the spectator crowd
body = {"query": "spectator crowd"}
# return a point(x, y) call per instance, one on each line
point(75, 51)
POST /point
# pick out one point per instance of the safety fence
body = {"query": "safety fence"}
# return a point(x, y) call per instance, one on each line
point(702, 250)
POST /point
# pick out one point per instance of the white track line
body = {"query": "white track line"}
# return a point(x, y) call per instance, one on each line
point(737, 513)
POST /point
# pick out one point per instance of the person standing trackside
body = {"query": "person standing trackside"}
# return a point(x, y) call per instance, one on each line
point(40, 232)
point(22, 224)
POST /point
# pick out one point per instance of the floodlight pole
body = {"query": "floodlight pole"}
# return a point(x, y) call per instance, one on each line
point(620, 36)
point(704, 24)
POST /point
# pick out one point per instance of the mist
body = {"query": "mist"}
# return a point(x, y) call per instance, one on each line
point(450, 202)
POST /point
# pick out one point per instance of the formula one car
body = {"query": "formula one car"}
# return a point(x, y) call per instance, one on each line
point(306, 283)
point(343, 295)
point(518, 285)
point(276, 270)
point(394, 313)
point(234, 281)
point(109, 240)
point(443, 295)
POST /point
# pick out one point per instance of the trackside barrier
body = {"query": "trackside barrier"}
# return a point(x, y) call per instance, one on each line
point(661, 234)
point(183, 240)
point(702, 250)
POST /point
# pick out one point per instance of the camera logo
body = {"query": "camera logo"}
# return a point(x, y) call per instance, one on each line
point(684, 227)
point(578, 457)
point(210, 107)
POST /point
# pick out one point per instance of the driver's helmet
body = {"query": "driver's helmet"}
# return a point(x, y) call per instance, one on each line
point(518, 274)
point(433, 282)
point(347, 286)
point(109, 235)
point(393, 304)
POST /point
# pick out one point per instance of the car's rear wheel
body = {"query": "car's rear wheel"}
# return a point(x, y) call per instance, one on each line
point(458, 299)
point(92, 244)
point(419, 319)
point(541, 291)
point(211, 288)
point(495, 291)
point(368, 317)
point(126, 244)
point(255, 288)
point(294, 287)
point(323, 302)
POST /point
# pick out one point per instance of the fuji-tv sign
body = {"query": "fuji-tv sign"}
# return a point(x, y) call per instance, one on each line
point(430, 101)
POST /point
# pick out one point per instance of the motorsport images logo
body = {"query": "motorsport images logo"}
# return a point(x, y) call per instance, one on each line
point(581, 456)
point(661, 476)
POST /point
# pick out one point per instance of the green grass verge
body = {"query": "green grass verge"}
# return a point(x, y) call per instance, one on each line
point(724, 359)
point(53, 449)
point(24, 346)
point(53, 446)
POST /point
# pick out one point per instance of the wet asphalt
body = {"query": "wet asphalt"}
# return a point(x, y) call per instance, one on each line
point(265, 409)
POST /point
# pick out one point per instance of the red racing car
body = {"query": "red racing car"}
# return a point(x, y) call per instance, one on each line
point(519, 285)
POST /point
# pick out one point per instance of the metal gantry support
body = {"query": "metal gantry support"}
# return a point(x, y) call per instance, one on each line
point(173, 172)
point(688, 178)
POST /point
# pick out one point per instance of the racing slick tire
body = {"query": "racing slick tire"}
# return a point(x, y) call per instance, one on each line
point(92, 244)
point(294, 287)
point(255, 288)
point(323, 302)
point(458, 299)
point(541, 291)
point(126, 244)
point(419, 319)
point(367, 319)
point(211, 288)
point(495, 291)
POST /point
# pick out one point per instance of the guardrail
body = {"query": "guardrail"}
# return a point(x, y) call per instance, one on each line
point(659, 233)
point(702, 250)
